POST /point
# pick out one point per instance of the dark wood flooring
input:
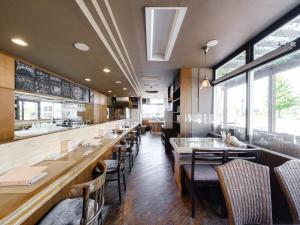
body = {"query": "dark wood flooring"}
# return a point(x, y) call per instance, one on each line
point(152, 196)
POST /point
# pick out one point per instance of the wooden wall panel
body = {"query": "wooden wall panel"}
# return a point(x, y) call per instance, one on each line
point(103, 113)
point(7, 72)
point(185, 98)
point(7, 114)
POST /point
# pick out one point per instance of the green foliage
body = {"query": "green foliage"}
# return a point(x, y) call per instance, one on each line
point(285, 97)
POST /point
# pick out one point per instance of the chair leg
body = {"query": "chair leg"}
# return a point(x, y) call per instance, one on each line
point(124, 181)
point(193, 200)
point(119, 187)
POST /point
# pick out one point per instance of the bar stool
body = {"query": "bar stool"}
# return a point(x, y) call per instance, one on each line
point(129, 150)
point(80, 208)
point(116, 168)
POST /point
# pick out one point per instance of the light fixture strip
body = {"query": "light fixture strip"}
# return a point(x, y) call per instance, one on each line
point(102, 18)
point(95, 26)
point(122, 42)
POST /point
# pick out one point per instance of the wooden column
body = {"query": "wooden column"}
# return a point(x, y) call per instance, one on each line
point(7, 85)
point(97, 111)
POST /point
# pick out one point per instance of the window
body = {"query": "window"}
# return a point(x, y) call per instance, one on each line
point(153, 111)
point(50, 110)
point(46, 110)
point(57, 110)
point(287, 33)
point(276, 101)
point(231, 65)
point(31, 111)
point(230, 105)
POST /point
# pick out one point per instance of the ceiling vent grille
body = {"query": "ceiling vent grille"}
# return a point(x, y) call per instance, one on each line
point(162, 28)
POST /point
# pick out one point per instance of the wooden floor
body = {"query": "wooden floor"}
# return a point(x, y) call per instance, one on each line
point(152, 196)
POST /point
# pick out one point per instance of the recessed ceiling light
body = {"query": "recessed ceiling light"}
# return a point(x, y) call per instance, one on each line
point(106, 70)
point(212, 43)
point(19, 41)
point(88, 79)
point(81, 47)
point(109, 91)
point(118, 82)
point(124, 89)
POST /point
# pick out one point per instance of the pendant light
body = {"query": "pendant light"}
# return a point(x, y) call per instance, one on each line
point(205, 82)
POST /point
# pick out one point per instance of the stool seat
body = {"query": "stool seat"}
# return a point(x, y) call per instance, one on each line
point(112, 165)
point(69, 211)
point(118, 146)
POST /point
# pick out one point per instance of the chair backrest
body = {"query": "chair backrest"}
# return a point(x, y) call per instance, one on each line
point(201, 156)
point(247, 192)
point(85, 190)
point(249, 154)
point(288, 176)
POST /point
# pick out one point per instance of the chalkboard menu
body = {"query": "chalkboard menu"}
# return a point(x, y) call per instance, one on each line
point(32, 79)
point(25, 77)
point(42, 82)
point(66, 89)
point(55, 86)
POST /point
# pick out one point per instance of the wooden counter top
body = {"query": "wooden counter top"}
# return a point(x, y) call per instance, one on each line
point(16, 208)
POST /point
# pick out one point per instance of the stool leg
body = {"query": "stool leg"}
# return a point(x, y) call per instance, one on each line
point(119, 187)
point(132, 159)
point(124, 181)
point(130, 164)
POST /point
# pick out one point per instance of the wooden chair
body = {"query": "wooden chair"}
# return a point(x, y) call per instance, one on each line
point(247, 192)
point(80, 208)
point(115, 167)
point(288, 176)
point(201, 172)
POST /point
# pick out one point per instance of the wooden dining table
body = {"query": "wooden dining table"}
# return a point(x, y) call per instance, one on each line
point(183, 148)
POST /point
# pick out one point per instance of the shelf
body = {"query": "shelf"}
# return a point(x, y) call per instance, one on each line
point(176, 100)
point(175, 91)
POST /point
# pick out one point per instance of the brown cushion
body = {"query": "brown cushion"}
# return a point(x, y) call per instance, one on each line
point(202, 172)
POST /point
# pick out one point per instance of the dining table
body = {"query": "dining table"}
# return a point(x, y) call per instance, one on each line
point(183, 148)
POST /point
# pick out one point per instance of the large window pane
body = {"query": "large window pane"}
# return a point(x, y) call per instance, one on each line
point(260, 93)
point(230, 105)
point(287, 33)
point(30, 110)
point(231, 65)
point(276, 104)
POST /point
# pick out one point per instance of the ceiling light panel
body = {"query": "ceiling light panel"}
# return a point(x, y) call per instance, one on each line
point(162, 28)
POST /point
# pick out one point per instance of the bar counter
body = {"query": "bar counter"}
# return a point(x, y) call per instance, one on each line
point(27, 204)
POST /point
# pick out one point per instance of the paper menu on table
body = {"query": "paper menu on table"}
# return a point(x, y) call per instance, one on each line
point(22, 175)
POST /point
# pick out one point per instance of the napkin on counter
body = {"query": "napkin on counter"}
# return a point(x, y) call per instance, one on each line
point(23, 175)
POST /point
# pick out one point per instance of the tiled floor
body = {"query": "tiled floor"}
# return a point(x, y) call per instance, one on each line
point(152, 196)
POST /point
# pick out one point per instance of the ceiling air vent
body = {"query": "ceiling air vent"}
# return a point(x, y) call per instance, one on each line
point(162, 27)
point(151, 92)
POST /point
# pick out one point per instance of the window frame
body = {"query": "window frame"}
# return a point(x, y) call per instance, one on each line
point(249, 48)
